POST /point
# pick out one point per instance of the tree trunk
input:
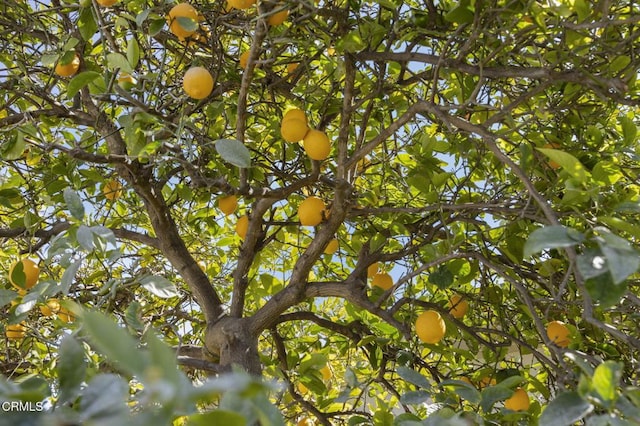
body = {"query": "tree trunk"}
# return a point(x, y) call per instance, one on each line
point(231, 340)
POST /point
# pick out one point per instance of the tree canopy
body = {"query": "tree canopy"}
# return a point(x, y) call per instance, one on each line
point(393, 212)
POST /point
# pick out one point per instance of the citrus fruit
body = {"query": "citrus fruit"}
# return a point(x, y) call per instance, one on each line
point(373, 269)
point(112, 190)
point(295, 114)
point(126, 81)
point(558, 333)
point(278, 17)
point(382, 280)
point(241, 4)
point(302, 388)
point(242, 225)
point(291, 68)
point(332, 247)
point(68, 69)
point(182, 10)
point(66, 315)
point(430, 327)
point(519, 401)
point(106, 3)
point(25, 276)
point(15, 331)
point(326, 373)
point(458, 306)
point(486, 381)
point(197, 82)
point(293, 130)
point(305, 421)
point(317, 145)
point(228, 204)
point(310, 211)
point(50, 308)
point(244, 58)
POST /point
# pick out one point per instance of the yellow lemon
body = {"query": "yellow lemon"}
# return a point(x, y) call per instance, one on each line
point(15, 331)
point(317, 145)
point(278, 17)
point(373, 269)
point(25, 279)
point(310, 211)
point(50, 308)
point(241, 4)
point(519, 401)
point(242, 225)
point(430, 327)
point(228, 204)
point(332, 247)
point(68, 69)
point(558, 333)
point(382, 280)
point(182, 10)
point(197, 82)
point(112, 190)
point(293, 130)
point(458, 306)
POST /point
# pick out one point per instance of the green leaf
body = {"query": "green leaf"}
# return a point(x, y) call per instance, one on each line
point(622, 263)
point(591, 263)
point(6, 296)
point(133, 53)
point(566, 409)
point(79, 81)
point(551, 237)
point(105, 399)
point(629, 130)
point(415, 397)
point(87, 24)
point(604, 292)
point(233, 151)
point(163, 359)
point(71, 369)
point(464, 390)
point(187, 24)
point(568, 162)
point(159, 286)
point(118, 60)
point(116, 344)
point(68, 276)
point(441, 277)
point(217, 417)
point(14, 148)
point(413, 377)
point(460, 14)
point(156, 26)
point(74, 203)
point(84, 235)
point(605, 381)
point(492, 394)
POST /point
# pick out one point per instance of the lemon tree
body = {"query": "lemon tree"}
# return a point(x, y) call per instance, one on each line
point(320, 212)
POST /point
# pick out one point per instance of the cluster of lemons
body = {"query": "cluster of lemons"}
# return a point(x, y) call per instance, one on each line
point(23, 279)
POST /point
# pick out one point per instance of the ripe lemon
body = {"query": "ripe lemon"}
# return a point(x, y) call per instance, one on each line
point(326, 373)
point(519, 401)
point(106, 3)
point(182, 10)
point(112, 190)
point(278, 18)
point(51, 308)
point(486, 381)
point(197, 82)
point(382, 280)
point(332, 247)
point(317, 145)
point(295, 114)
point(292, 67)
point(241, 4)
point(242, 225)
point(310, 211)
point(27, 277)
point(430, 327)
point(68, 69)
point(305, 421)
point(244, 58)
point(66, 315)
point(302, 388)
point(458, 305)
point(15, 331)
point(228, 204)
point(373, 269)
point(293, 130)
point(558, 333)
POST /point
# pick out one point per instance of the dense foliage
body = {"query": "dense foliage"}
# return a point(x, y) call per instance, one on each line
point(485, 151)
